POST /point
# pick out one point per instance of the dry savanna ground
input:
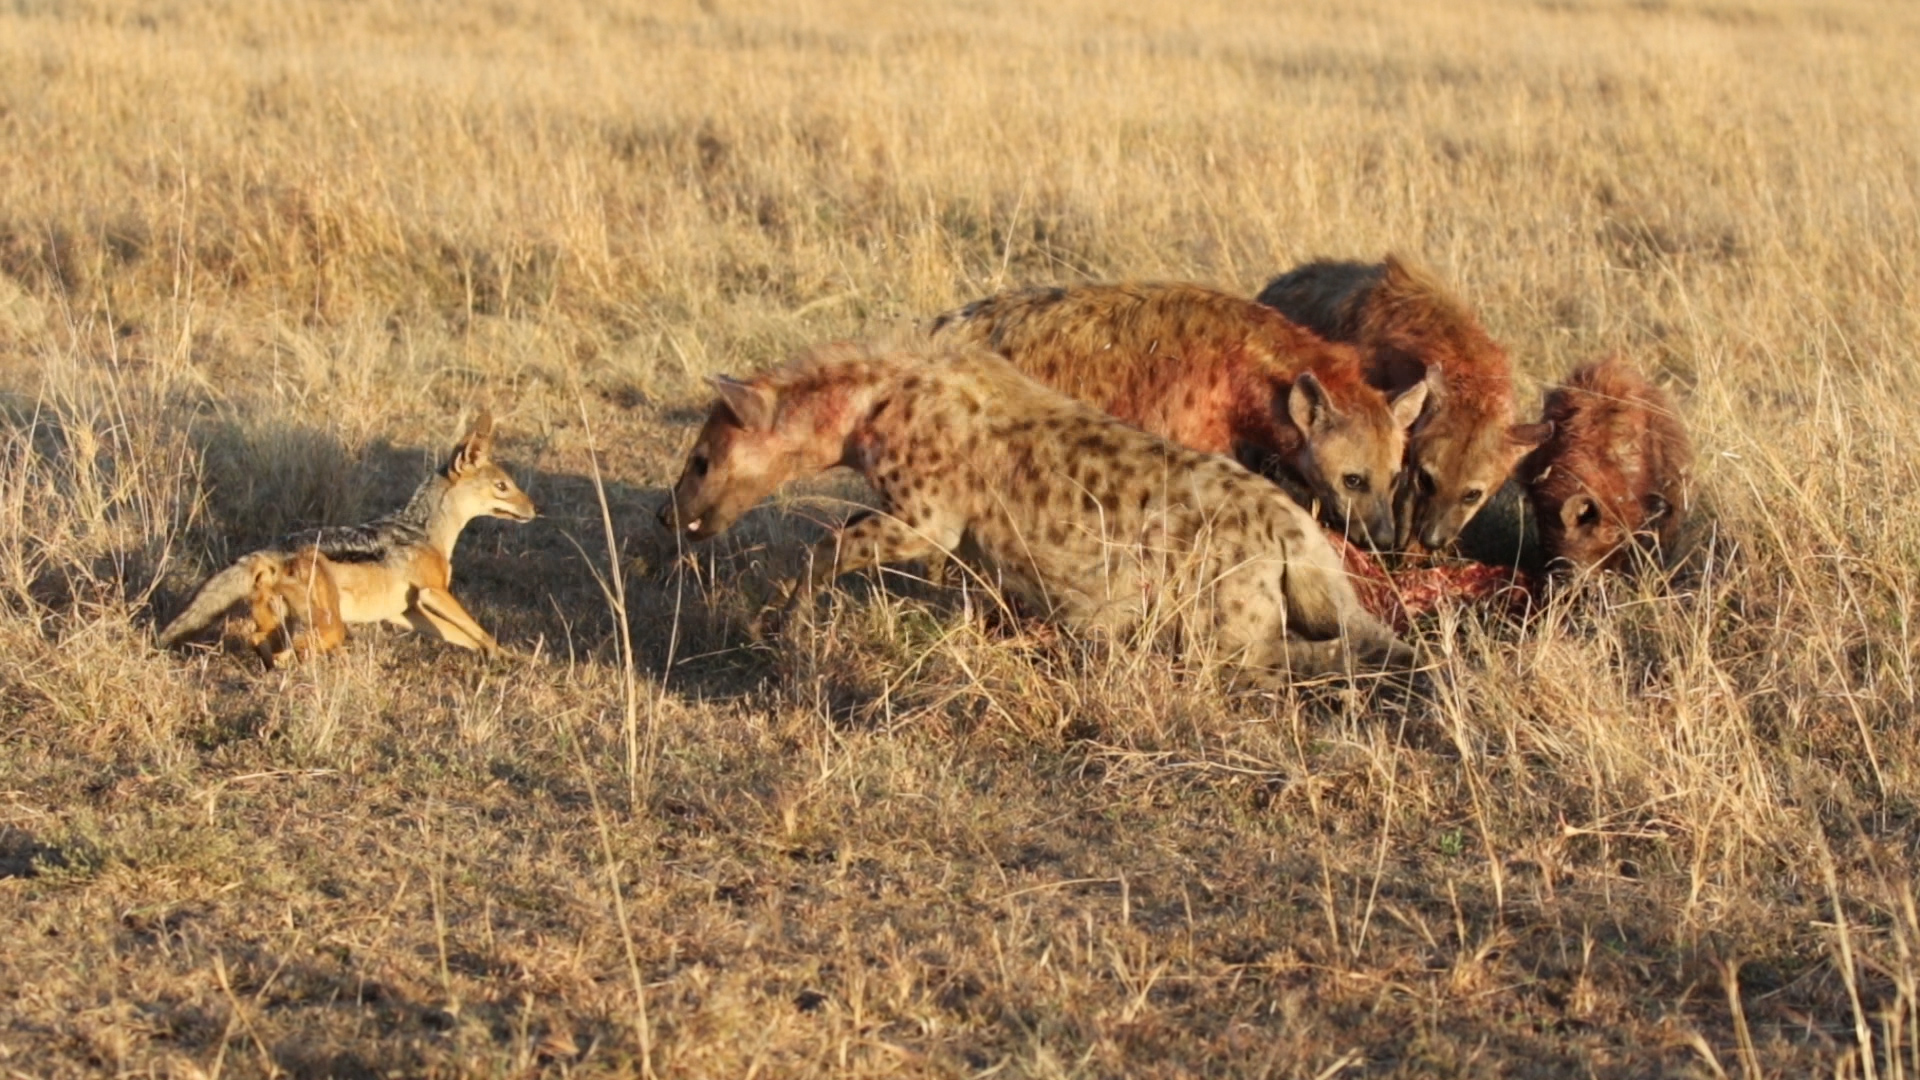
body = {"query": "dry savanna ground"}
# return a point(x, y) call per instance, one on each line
point(258, 262)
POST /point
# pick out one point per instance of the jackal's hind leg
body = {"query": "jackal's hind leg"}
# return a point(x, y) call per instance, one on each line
point(306, 603)
point(262, 630)
point(310, 641)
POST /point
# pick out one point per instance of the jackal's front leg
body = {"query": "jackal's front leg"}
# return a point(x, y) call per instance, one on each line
point(443, 615)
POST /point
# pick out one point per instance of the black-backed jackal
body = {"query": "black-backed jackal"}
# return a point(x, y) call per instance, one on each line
point(303, 593)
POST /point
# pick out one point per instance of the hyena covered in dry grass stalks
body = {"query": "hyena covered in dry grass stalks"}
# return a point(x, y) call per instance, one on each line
point(1615, 471)
point(1213, 372)
point(1408, 327)
point(1096, 525)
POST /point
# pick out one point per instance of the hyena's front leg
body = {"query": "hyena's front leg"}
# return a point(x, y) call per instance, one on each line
point(871, 539)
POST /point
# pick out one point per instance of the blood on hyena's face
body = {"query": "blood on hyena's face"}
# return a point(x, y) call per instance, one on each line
point(1453, 475)
point(740, 458)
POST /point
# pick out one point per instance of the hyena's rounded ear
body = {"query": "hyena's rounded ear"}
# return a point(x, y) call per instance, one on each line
point(1308, 404)
point(1580, 512)
point(1528, 436)
point(753, 406)
point(1408, 405)
point(477, 447)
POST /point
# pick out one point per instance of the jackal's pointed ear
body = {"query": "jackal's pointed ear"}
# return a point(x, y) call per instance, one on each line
point(752, 405)
point(1407, 406)
point(476, 448)
point(1308, 404)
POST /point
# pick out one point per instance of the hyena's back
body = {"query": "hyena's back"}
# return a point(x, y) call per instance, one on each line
point(1107, 527)
point(1185, 362)
point(1327, 296)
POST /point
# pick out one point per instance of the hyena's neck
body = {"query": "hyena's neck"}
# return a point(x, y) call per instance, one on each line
point(1259, 413)
point(842, 422)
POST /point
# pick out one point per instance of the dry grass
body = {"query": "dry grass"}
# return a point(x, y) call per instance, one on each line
point(255, 259)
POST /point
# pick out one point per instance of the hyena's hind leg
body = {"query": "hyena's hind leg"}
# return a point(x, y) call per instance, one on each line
point(1288, 658)
point(1325, 631)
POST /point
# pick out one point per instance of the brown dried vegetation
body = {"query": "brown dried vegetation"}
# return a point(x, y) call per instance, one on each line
point(254, 258)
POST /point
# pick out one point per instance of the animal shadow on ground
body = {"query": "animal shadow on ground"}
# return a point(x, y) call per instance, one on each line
point(544, 586)
point(211, 491)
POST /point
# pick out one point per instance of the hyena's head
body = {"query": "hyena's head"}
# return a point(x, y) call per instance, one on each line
point(1610, 477)
point(1457, 461)
point(476, 486)
point(746, 450)
point(1591, 519)
point(1353, 443)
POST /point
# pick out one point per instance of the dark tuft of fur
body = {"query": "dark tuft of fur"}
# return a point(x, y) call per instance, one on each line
point(373, 540)
point(1327, 296)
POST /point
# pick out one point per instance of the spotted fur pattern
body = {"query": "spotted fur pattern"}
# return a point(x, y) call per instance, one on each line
point(1213, 372)
point(1408, 326)
point(1092, 523)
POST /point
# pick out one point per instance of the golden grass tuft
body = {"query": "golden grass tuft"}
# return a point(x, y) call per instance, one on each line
point(255, 261)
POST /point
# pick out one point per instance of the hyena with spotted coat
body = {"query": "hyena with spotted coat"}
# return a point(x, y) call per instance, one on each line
point(1088, 521)
point(1409, 327)
point(1218, 373)
point(1615, 471)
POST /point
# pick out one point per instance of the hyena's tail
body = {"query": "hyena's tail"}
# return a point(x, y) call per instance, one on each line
point(218, 593)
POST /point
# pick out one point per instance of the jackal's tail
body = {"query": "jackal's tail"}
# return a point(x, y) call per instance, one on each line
point(218, 593)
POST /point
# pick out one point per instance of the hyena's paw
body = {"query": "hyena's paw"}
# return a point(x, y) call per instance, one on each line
point(789, 602)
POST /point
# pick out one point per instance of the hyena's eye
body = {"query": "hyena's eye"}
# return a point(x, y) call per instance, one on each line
point(1354, 482)
point(1471, 497)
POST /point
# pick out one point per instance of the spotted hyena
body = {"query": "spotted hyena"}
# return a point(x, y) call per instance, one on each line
point(1409, 327)
point(1218, 373)
point(1092, 523)
point(1615, 470)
